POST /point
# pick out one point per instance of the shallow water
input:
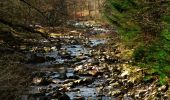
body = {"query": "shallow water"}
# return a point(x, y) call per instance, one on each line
point(76, 50)
point(89, 92)
point(96, 42)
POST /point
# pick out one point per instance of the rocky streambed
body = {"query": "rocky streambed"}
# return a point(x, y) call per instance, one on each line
point(84, 68)
point(70, 72)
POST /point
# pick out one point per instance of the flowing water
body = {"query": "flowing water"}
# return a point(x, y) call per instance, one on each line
point(61, 71)
point(89, 91)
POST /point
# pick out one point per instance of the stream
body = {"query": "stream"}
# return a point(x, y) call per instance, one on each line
point(81, 67)
point(71, 72)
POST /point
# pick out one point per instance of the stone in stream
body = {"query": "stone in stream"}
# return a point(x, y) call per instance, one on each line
point(73, 83)
point(116, 84)
point(79, 98)
point(93, 61)
point(41, 81)
point(78, 68)
point(93, 72)
point(47, 58)
point(87, 81)
point(65, 55)
point(80, 58)
point(42, 90)
point(115, 93)
point(63, 75)
point(87, 70)
point(60, 96)
point(66, 87)
point(74, 77)
point(41, 78)
point(75, 90)
point(127, 98)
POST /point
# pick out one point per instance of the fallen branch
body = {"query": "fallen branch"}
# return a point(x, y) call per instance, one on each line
point(26, 28)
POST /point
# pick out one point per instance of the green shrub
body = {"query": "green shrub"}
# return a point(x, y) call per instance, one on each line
point(155, 57)
point(146, 24)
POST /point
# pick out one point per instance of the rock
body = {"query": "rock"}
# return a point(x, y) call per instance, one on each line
point(140, 94)
point(70, 84)
point(60, 96)
point(106, 75)
point(50, 58)
point(115, 93)
point(79, 98)
point(69, 80)
point(77, 82)
point(110, 80)
point(84, 81)
point(163, 88)
point(64, 54)
point(53, 48)
point(116, 84)
point(37, 80)
point(47, 49)
point(81, 57)
point(166, 96)
point(55, 80)
point(41, 81)
point(88, 80)
point(65, 88)
point(127, 98)
point(93, 72)
point(42, 90)
point(125, 73)
point(111, 60)
point(87, 70)
point(75, 90)
point(78, 68)
point(63, 75)
point(95, 63)
point(74, 77)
